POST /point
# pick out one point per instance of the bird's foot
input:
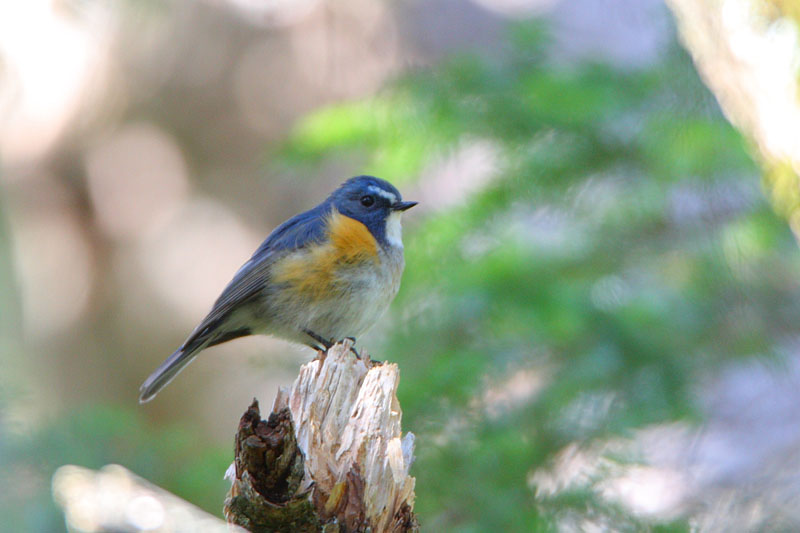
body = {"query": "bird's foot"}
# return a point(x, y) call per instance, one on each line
point(324, 343)
point(352, 347)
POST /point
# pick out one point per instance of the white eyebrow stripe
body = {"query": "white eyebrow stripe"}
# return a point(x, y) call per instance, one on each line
point(380, 192)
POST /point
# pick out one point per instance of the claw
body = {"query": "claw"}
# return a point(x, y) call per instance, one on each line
point(327, 344)
point(352, 347)
point(324, 342)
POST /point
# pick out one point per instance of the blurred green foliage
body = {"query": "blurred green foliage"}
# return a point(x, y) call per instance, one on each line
point(175, 459)
point(621, 251)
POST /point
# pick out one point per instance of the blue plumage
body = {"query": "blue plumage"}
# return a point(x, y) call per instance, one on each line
point(298, 231)
point(358, 292)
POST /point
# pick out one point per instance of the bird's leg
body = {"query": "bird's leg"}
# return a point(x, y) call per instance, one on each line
point(315, 346)
point(323, 341)
point(328, 343)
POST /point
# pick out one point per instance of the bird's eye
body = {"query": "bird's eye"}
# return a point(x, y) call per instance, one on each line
point(367, 200)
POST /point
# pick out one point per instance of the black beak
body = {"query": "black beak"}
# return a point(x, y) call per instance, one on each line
point(402, 206)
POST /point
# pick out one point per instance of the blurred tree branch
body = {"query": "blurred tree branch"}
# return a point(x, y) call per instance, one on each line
point(748, 58)
point(113, 499)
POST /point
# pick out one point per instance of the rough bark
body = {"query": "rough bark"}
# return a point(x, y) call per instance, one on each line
point(330, 456)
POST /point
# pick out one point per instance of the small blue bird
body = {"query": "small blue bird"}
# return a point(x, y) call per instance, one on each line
point(321, 276)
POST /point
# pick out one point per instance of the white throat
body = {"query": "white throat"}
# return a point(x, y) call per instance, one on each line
point(394, 231)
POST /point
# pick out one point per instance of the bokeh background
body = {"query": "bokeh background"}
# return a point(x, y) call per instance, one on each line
point(598, 326)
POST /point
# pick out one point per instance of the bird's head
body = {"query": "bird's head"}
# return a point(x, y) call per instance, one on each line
point(374, 202)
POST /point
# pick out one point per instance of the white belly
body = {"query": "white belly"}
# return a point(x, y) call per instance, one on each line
point(365, 294)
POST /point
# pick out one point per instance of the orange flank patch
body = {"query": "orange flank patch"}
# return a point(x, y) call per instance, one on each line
point(312, 270)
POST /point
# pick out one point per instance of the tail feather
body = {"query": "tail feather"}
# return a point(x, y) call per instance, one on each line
point(199, 340)
point(167, 372)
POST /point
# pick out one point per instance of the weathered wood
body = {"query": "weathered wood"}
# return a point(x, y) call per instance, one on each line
point(330, 457)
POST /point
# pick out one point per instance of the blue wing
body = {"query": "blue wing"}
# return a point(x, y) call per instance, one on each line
point(297, 232)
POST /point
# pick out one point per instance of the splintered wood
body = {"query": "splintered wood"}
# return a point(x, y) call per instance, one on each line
point(346, 424)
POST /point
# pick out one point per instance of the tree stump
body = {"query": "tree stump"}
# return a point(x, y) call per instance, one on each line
point(330, 457)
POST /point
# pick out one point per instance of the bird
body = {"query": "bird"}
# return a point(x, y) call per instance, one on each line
point(324, 275)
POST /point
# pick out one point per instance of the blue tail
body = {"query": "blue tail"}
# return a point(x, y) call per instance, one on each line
point(167, 372)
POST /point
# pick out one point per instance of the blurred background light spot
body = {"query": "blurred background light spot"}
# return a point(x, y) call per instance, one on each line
point(137, 177)
point(330, 53)
point(324, 58)
point(597, 197)
point(53, 262)
point(516, 390)
point(453, 178)
point(113, 499)
point(751, 63)
point(742, 247)
point(609, 292)
point(693, 204)
point(270, 12)
point(265, 93)
point(516, 8)
point(570, 467)
point(194, 255)
point(642, 489)
point(548, 228)
point(647, 490)
point(478, 245)
point(73, 484)
point(47, 54)
point(589, 410)
point(771, 51)
point(207, 64)
point(145, 513)
point(633, 33)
